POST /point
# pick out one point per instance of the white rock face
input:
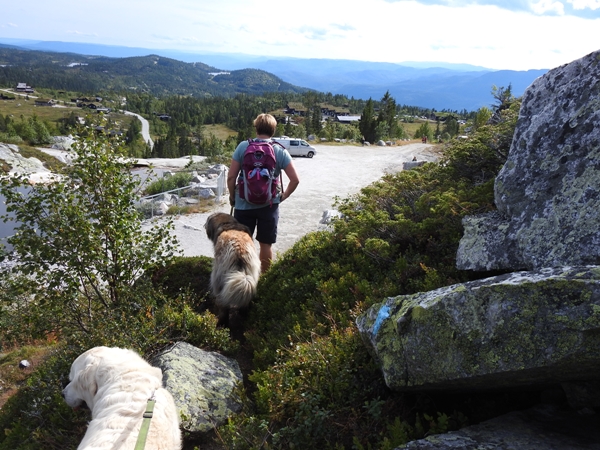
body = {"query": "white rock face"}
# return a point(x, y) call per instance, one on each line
point(19, 164)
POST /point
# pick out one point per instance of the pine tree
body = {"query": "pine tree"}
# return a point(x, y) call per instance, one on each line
point(387, 115)
point(368, 122)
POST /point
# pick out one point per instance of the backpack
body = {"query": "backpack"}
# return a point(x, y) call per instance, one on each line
point(257, 183)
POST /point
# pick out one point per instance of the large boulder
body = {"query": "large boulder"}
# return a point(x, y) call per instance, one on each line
point(202, 384)
point(548, 192)
point(516, 330)
point(409, 165)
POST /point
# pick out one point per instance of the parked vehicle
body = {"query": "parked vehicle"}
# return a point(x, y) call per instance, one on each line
point(296, 147)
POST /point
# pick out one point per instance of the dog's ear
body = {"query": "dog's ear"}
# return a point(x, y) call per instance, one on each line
point(209, 226)
point(157, 372)
point(214, 225)
point(87, 377)
point(209, 229)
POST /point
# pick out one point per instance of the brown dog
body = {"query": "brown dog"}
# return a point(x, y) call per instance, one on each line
point(236, 266)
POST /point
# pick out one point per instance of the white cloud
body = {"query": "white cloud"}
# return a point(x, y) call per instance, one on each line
point(548, 6)
point(80, 33)
point(459, 31)
point(584, 4)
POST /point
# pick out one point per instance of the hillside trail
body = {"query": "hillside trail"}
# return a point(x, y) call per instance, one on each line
point(335, 171)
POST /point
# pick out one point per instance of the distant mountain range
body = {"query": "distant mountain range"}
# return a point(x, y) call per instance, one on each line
point(153, 74)
point(429, 85)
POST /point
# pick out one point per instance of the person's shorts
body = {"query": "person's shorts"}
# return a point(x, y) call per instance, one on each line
point(264, 220)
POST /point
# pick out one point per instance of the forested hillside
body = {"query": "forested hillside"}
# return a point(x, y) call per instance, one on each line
point(151, 74)
point(181, 99)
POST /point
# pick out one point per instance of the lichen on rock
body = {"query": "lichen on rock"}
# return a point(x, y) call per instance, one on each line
point(202, 384)
point(548, 191)
point(518, 329)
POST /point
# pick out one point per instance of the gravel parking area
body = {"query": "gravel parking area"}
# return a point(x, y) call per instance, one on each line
point(335, 171)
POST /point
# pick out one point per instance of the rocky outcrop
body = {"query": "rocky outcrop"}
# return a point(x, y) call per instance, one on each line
point(202, 384)
point(548, 192)
point(527, 329)
point(538, 327)
point(515, 330)
point(16, 163)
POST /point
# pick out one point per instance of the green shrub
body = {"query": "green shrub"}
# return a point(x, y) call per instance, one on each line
point(183, 274)
point(10, 138)
point(165, 184)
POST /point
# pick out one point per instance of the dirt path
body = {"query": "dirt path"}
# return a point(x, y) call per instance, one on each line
point(334, 171)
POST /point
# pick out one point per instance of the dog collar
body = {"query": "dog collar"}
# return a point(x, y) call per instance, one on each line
point(141, 440)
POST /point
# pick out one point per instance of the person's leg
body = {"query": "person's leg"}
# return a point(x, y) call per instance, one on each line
point(266, 234)
point(265, 255)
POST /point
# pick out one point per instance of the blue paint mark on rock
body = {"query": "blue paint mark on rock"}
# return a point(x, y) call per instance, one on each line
point(384, 313)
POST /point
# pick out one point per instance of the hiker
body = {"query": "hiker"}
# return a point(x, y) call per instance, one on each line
point(265, 216)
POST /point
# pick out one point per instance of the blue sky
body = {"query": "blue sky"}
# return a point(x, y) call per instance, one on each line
point(507, 34)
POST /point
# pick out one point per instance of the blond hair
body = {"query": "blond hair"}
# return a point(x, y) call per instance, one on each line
point(265, 124)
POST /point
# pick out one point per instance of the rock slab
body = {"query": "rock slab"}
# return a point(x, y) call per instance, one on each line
point(544, 427)
point(516, 330)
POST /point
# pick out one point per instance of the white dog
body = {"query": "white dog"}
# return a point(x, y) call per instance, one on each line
point(116, 384)
point(236, 266)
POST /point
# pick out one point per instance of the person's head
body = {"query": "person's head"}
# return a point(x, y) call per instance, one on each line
point(265, 124)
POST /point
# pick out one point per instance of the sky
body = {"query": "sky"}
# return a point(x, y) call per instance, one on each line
point(496, 34)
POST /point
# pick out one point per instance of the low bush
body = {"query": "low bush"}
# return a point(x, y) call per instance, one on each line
point(183, 274)
point(165, 184)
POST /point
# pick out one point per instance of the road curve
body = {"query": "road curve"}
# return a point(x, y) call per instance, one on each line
point(145, 128)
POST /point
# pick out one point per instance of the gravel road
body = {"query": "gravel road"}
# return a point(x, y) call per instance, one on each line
point(335, 171)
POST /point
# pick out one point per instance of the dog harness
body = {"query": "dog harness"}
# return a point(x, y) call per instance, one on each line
point(141, 440)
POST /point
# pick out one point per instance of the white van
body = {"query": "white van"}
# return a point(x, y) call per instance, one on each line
point(296, 147)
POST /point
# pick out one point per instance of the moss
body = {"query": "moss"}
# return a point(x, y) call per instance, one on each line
point(481, 329)
point(419, 313)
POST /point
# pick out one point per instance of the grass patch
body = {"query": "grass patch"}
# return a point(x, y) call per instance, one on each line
point(49, 161)
point(412, 127)
point(11, 375)
point(22, 106)
point(220, 131)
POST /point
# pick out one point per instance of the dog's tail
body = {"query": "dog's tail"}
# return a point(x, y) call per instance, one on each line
point(239, 289)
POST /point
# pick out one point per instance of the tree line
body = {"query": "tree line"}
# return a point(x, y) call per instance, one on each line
point(179, 121)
